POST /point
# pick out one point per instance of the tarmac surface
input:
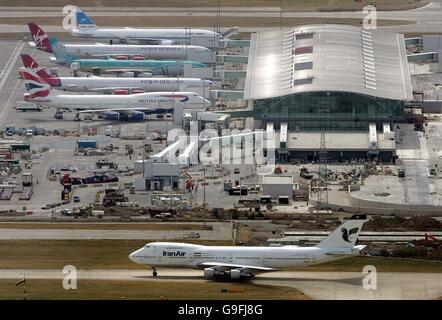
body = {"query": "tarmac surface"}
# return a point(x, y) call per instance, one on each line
point(318, 285)
point(426, 18)
point(221, 231)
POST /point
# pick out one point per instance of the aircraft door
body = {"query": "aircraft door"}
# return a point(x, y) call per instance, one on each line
point(159, 255)
point(266, 260)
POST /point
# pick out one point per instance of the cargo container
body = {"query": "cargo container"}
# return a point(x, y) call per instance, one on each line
point(112, 116)
point(84, 144)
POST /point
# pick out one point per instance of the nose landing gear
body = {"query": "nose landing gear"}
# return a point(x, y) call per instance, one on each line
point(154, 272)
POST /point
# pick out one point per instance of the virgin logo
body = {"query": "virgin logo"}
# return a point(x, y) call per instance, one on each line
point(39, 38)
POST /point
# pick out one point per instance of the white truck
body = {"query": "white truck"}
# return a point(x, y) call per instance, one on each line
point(27, 179)
point(98, 213)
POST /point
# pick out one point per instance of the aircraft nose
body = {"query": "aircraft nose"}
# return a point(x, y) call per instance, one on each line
point(133, 257)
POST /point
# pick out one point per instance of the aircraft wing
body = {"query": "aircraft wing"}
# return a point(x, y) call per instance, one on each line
point(355, 251)
point(119, 110)
point(108, 89)
point(135, 71)
point(229, 266)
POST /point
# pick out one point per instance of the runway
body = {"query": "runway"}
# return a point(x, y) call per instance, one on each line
point(427, 18)
point(318, 285)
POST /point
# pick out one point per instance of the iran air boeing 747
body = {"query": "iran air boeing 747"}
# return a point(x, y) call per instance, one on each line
point(245, 262)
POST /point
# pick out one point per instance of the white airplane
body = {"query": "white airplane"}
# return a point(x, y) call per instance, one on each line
point(113, 84)
point(245, 262)
point(132, 106)
point(86, 27)
point(127, 52)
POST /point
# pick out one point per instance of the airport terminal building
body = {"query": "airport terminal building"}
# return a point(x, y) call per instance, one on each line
point(328, 78)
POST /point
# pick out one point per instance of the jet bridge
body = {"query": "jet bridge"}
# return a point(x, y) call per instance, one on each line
point(373, 138)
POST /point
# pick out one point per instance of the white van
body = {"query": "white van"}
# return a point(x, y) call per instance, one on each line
point(98, 213)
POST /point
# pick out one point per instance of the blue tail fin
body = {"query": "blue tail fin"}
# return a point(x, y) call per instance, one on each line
point(84, 21)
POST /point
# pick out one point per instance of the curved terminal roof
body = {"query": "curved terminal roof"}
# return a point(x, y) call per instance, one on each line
point(328, 58)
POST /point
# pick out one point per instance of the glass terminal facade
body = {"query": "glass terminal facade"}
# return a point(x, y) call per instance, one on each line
point(328, 110)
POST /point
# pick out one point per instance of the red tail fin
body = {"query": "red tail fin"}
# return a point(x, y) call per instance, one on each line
point(33, 66)
point(40, 37)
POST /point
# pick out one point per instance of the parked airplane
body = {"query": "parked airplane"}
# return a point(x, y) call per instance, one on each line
point(111, 106)
point(245, 262)
point(86, 27)
point(112, 84)
point(123, 52)
point(122, 67)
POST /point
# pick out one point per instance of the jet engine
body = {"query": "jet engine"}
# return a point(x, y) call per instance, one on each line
point(237, 274)
point(143, 75)
point(121, 57)
point(127, 74)
point(210, 273)
point(112, 115)
point(120, 91)
point(136, 116)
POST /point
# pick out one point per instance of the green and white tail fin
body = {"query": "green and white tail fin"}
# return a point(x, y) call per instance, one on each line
point(346, 235)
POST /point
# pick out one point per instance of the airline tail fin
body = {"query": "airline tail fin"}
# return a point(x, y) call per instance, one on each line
point(59, 51)
point(40, 37)
point(346, 235)
point(36, 86)
point(83, 21)
point(34, 67)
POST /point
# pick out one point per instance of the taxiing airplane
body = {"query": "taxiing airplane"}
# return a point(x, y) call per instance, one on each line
point(96, 66)
point(86, 27)
point(121, 52)
point(112, 84)
point(245, 262)
point(111, 106)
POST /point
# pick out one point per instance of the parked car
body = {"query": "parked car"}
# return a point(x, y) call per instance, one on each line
point(401, 173)
point(67, 212)
point(76, 198)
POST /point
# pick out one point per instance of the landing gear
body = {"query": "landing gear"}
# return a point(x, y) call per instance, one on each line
point(77, 117)
point(154, 273)
point(58, 114)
